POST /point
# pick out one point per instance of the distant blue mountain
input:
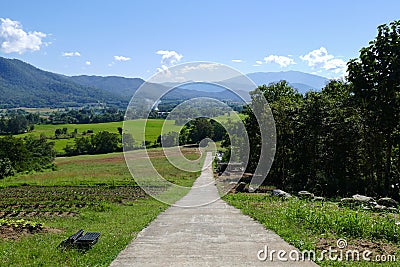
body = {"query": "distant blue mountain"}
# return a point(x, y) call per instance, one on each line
point(23, 85)
point(293, 77)
point(124, 87)
point(303, 82)
point(202, 86)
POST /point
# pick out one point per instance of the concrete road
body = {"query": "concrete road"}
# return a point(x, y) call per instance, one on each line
point(216, 234)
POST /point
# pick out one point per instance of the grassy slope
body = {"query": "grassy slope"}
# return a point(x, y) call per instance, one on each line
point(118, 223)
point(304, 224)
point(106, 169)
point(80, 170)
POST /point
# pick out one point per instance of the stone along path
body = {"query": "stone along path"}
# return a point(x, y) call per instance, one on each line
point(216, 234)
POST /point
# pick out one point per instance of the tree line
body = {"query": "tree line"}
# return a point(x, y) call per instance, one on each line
point(20, 121)
point(98, 143)
point(24, 155)
point(344, 139)
point(16, 123)
point(193, 132)
point(85, 116)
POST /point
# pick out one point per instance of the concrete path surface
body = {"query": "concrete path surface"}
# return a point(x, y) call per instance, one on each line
point(216, 234)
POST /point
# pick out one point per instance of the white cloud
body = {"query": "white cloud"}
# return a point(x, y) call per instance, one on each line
point(88, 63)
point(237, 60)
point(121, 58)
point(164, 69)
point(320, 58)
point(13, 39)
point(71, 54)
point(169, 57)
point(280, 60)
point(201, 66)
point(258, 62)
point(336, 65)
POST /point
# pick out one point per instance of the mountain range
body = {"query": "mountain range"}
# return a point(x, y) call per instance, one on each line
point(303, 82)
point(23, 85)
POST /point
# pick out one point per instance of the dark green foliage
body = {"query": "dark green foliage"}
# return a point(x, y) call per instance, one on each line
point(319, 142)
point(86, 115)
point(6, 168)
point(14, 124)
point(193, 133)
point(375, 76)
point(18, 121)
point(105, 142)
point(99, 143)
point(18, 155)
point(285, 102)
point(201, 128)
point(15, 150)
point(323, 143)
point(59, 132)
point(128, 142)
point(168, 140)
point(168, 105)
point(198, 129)
point(218, 131)
point(119, 130)
point(344, 139)
point(41, 152)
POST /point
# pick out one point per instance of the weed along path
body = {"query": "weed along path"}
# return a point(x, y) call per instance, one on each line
point(216, 234)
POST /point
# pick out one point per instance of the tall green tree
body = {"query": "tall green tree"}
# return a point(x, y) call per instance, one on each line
point(327, 148)
point(99, 143)
point(27, 154)
point(41, 152)
point(104, 142)
point(199, 129)
point(6, 168)
point(284, 102)
point(375, 76)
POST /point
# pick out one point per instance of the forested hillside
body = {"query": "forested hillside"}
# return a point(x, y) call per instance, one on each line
point(23, 85)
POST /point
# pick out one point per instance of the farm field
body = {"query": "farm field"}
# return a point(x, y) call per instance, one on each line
point(95, 193)
point(153, 130)
point(140, 130)
point(105, 169)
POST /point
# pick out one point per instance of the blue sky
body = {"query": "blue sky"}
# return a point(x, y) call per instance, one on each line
point(135, 38)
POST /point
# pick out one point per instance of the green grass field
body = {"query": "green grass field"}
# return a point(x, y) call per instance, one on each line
point(95, 193)
point(140, 130)
point(318, 225)
point(105, 169)
point(137, 128)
